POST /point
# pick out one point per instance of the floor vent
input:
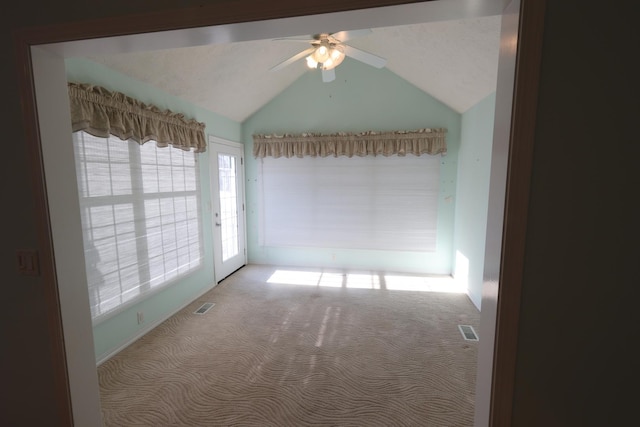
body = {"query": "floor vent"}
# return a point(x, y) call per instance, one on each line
point(204, 308)
point(468, 333)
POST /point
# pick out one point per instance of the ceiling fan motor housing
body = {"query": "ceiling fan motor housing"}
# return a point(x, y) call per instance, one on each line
point(328, 53)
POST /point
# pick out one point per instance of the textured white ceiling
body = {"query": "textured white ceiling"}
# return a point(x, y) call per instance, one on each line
point(454, 61)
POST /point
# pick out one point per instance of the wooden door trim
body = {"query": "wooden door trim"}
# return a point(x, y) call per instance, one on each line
point(520, 164)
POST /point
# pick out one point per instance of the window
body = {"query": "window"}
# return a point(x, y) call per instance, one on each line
point(140, 210)
point(383, 203)
point(228, 194)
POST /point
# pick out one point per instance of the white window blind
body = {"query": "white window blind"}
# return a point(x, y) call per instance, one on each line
point(140, 211)
point(385, 203)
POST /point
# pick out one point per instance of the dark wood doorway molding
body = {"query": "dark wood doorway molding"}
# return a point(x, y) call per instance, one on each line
point(226, 12)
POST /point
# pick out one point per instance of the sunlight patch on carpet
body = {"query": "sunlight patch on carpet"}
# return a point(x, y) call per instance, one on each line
point(374, 281)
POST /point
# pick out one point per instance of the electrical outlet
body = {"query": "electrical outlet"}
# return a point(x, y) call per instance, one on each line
point(140, 317)
point(28, 262)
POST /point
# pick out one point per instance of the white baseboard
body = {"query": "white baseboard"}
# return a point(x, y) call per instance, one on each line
point(104, 357)
point(475, 299)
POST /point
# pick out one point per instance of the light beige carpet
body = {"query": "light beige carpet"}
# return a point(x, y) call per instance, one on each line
point(286, 355)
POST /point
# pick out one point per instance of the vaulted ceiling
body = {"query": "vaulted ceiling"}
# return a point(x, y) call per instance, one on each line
point(454, 61)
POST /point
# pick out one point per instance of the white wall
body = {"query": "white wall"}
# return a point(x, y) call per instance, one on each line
point(474, 167)
point(64, 209)
point(495, 214)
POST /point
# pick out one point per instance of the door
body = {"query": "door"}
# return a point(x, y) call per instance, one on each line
point(227, 198)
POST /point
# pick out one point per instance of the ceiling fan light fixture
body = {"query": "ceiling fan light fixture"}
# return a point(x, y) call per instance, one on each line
point(311, 63)
point(327, 51)
point(321, 54)
point(336, 56)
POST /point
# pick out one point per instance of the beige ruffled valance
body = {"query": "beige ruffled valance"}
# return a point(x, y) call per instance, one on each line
point(101, 113)
point(370, 143)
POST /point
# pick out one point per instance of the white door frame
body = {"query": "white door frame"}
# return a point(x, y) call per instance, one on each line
point(213, 168)
point(68, 327)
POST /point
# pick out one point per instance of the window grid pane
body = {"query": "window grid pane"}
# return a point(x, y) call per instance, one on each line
point(140, 211)
point(228, 205)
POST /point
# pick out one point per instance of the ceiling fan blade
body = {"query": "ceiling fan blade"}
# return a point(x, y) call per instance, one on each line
point(366, 57)
point(343, 36)
point(296, 39)
point(328, 75)
point(293, 59)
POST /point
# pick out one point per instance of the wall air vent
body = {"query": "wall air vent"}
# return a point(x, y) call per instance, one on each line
point(468, 333)
point(204, 308)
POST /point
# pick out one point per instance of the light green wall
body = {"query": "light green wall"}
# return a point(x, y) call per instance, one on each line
point(361, 98)
point(116, 331)
point(474, 164)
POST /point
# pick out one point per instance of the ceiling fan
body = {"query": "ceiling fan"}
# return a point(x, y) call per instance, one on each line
point(328, 50)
